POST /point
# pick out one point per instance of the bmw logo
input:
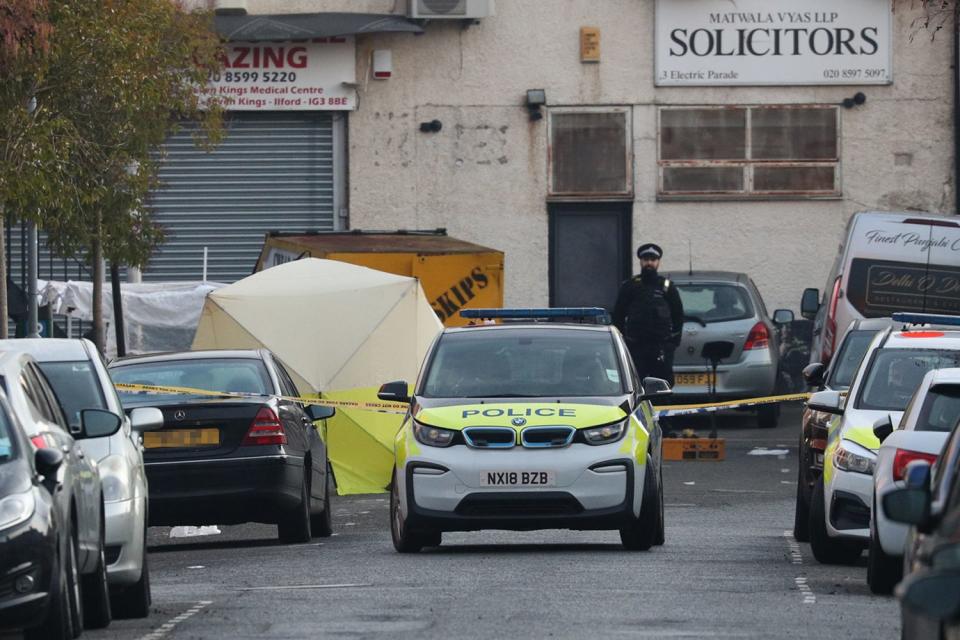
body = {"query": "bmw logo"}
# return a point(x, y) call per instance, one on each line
point(519, 422)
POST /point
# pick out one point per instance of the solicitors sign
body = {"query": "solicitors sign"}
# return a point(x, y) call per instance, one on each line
point(315, 75)
point(773, 42)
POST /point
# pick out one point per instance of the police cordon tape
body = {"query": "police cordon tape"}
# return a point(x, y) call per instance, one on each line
point(379, 407)
point(711, 407)
point(400, 408)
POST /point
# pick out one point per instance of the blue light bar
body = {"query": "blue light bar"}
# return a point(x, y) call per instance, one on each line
point(593, 313)
point(926, 318)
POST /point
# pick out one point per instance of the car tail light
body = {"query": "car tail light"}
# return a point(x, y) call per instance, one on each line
point(43, 441)
point(830, 325)
point(265, 429)
point(904, 457)
point(758, 338)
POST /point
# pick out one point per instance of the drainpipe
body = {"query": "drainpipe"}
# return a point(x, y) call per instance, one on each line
point(956, 106)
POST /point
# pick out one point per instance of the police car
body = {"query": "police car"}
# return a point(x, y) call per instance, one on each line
point(528, 425)
point(891, 371)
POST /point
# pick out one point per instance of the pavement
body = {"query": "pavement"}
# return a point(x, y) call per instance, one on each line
point(729, 569)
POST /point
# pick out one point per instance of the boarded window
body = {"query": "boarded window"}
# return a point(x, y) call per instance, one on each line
point(590, 153)
point(744, 152)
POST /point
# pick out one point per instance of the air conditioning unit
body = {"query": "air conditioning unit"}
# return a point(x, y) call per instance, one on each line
point(451, 9)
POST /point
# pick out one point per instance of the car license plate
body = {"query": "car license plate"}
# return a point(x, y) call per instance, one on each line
point(517, 478)
point(694, 379)
point(181, 438)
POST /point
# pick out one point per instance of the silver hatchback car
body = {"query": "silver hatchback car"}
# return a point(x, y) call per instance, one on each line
point(723, 312)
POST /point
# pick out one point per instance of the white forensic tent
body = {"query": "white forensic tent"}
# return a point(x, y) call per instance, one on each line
point(157, 316)
point(341, 330)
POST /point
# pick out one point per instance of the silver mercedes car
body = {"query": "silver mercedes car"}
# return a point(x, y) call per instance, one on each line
point(724, 317)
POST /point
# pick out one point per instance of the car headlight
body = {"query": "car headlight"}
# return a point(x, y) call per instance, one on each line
point(847, 460)
point(433, 436)
point(115, 478)
point(605, 434)
point(16, 508)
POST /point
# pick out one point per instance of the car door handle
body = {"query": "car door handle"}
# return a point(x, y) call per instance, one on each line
point(80, 453)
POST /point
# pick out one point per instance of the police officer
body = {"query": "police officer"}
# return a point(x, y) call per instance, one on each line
point(649, 313)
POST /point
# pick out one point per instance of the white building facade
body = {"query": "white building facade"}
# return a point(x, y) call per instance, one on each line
point(738, 138)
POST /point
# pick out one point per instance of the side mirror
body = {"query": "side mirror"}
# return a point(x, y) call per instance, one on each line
point(883, 427)
point(146, 419)
point(783, 316)
point(396, 391)
point(656, 388)
point(316, 412)
point(813, 374)
point(47, 461)
point(810, 303)
point(912, 504)
point(99, 423)
point(934, 594)
point(827, 401)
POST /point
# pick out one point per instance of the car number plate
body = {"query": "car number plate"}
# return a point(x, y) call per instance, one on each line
point(694, 379)
point(517, 478)
point(181, 438)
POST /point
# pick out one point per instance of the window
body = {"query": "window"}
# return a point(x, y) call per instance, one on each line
point(744, 152)
point(590, 152)
point(76, 385)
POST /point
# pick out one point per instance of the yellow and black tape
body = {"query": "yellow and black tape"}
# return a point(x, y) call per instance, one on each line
point(380, 407)
point(400, 409)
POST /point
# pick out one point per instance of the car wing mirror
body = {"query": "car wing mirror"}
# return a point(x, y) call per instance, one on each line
point(47, 461)
point(99, 423)
point(146, 419)
point(656, 388)
point(810, 303)
point(813, 374)
point(883, 427)
point(783, 316)
point(316, 412)
point(933, 594)
point(911, 505)
point(396, 391)
point(827, 401)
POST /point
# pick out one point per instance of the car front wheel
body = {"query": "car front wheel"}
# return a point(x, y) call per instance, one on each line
point(404, 540)
point(825, 549)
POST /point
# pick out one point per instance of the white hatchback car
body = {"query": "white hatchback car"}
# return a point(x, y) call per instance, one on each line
point(890, 373)
point(923, 430)
point(79, 377)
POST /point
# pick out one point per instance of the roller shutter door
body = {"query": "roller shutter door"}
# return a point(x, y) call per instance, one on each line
point(273, 171)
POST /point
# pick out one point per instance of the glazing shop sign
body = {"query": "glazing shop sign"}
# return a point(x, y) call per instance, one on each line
point(287, 76)
point(773, 42)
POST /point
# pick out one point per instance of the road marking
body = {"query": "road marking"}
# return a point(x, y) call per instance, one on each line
point(306, 586)
point(168, 626)
point(796, 558)
point(763, 451)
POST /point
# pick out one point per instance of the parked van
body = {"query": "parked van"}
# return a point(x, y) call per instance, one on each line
point(886, 262)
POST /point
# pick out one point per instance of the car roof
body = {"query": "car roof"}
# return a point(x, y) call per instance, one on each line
point(49, 349)
point(923, 338)
point(871, 324)
point(944, 376)
point(189, 355)
point(684, 277)
point(528, 326)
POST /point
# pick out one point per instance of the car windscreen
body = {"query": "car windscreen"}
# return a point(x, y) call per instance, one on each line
point(941, 409)
point(895, 374)
point(234, 375)
point(524, 363)
point(848, 359)
point(76, 386)
point(7, 443)
point(715, 302)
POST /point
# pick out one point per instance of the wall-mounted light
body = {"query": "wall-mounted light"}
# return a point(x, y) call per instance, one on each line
point(858, 98)
point(536, 99)
point(434, 126)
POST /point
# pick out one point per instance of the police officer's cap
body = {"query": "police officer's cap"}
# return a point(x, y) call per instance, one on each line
point(651, 250)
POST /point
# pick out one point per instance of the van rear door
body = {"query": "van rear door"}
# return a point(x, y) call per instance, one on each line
point(908, 265)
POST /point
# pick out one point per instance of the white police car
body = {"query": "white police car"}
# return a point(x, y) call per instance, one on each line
point(527, 425)
point(890, 373)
